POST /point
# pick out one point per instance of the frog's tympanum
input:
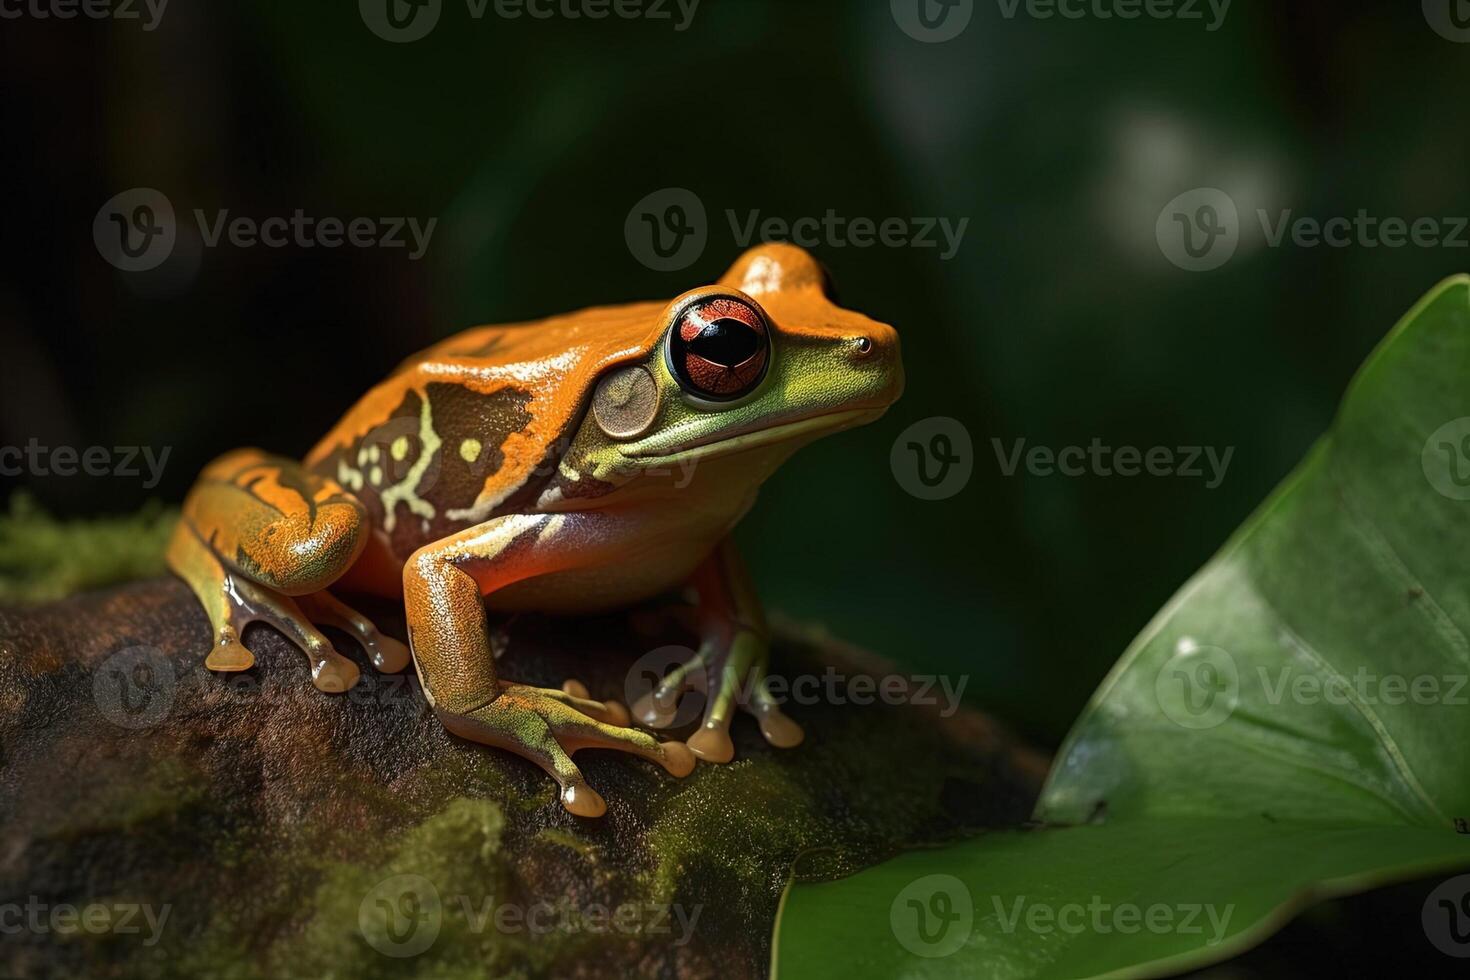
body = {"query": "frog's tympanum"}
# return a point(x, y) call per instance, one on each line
point(576, 464)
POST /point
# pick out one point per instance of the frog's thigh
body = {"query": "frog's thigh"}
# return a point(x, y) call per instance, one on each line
point(275, 522)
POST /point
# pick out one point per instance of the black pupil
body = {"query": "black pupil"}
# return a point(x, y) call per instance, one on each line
point(726, 342)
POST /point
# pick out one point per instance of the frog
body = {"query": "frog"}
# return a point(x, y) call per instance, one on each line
point(578, 464)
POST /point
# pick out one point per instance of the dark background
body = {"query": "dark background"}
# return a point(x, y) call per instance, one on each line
point(1058, 321)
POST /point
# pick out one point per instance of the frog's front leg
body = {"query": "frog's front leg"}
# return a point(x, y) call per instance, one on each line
point(732, 666)
point(444, 584)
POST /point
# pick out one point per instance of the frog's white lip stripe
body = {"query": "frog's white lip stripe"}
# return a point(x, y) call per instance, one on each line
point(828, 421)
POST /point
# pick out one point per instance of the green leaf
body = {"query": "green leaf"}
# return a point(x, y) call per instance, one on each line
point(1293, 724)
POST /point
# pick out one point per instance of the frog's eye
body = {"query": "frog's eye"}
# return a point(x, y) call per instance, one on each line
point(719, 348)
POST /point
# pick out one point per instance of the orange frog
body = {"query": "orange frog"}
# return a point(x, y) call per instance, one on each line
point(580, 463)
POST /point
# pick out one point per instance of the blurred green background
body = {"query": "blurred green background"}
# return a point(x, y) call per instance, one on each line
point(1058, 321)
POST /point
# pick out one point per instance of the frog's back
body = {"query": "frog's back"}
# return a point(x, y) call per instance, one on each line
point(472, 427)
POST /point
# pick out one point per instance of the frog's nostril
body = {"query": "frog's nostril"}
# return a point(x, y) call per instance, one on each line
point(864, 346)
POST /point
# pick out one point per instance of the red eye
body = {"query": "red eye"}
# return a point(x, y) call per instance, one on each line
point(719, 348)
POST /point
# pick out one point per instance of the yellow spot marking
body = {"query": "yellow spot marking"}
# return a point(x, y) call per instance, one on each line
point(376, 475)
point(349, 478)
point(469, 450)
point(399, 449)
point(405, 490)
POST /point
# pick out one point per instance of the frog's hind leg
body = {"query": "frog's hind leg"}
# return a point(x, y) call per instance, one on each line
point(257, 530)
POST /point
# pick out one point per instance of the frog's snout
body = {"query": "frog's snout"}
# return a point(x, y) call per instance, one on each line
point(875, 349)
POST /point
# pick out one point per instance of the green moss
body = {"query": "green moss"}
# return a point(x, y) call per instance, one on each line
point(44, 558)
point(152, 796)
point(447, 871)
point(774, 813)
point(553, 835)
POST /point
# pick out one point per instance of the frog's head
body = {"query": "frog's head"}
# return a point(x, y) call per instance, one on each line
point(763, 359)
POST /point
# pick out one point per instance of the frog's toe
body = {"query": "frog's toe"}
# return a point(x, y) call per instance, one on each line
point(659, 708)
point(229, 656)
point(777, 728)
point(738, 678)
point(547, 726)
point(388, 655)
point(574, 694)
point(712, 744)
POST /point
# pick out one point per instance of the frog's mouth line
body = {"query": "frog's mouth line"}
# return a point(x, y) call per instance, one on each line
point(742, 441)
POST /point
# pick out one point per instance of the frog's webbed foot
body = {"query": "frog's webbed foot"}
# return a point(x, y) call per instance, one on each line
point(388, 655)
point(331, 672)
point(730, 673)
point(548, 726)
